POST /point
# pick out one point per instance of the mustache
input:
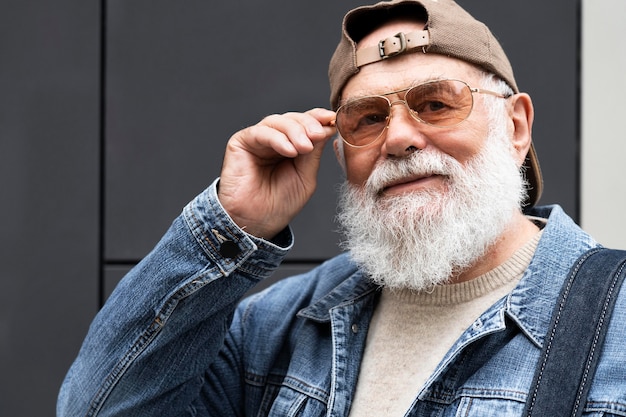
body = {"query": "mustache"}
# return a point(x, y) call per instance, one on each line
point(417, 165)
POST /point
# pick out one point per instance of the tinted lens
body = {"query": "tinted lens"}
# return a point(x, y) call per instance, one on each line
point(361, 121)
point(440, 103)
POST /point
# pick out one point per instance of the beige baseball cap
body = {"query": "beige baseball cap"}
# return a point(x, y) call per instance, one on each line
point(449, 30)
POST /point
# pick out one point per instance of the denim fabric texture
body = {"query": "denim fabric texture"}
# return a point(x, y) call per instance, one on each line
point(175, 340)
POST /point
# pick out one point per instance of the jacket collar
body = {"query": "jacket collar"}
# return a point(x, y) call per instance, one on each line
point(354, 289)
point(531, 303)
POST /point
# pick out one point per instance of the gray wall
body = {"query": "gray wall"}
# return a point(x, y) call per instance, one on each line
point(603, 88)
point(50, 258)
point(115, 113)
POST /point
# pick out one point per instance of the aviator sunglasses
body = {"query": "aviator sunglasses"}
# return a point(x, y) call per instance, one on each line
point(442, 103)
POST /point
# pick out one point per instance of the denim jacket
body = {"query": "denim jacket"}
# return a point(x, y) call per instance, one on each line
point(174, 339)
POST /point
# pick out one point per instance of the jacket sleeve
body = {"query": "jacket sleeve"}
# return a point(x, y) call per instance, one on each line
point(165, 323)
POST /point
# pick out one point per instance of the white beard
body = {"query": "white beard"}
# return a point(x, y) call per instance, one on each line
point(422, 239)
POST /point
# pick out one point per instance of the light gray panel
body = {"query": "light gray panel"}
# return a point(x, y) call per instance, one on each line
point(49, 176)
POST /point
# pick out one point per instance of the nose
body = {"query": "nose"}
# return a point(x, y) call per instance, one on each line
point(403, 134)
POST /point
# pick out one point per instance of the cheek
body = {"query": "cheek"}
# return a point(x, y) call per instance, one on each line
point(464, 145)
point(360, 163)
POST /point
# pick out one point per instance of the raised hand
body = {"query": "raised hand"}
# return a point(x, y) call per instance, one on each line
point(270, 169)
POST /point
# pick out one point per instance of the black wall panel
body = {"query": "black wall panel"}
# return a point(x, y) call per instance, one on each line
point(49, 182)
point(183, 77)
point(541, 39)
point(178, 79)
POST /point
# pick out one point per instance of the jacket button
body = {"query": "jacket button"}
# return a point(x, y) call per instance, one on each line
point(229, 249)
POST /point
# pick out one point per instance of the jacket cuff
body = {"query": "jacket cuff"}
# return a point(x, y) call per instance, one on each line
point(229, 246)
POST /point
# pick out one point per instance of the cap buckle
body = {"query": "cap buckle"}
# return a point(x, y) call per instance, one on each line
point(397, 49)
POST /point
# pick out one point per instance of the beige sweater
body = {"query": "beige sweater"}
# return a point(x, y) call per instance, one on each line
point(411, 332)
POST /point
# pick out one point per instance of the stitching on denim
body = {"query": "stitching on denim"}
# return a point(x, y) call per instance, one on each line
point(287, 381)
point(142, 342)
point(469, 406)
point(233, 234)
point(442, 397)
point(297, 406)
point(313, 391)
point(557, 321)
point(202, 237)
point(592, 353)
point(607, 407)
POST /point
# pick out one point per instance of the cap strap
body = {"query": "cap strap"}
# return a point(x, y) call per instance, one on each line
point(394, 45)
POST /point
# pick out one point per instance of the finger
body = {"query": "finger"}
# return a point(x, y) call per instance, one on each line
point(288, 135)
point(323, 116)
point(264, 141)
point(299, 128)
point(317, 123)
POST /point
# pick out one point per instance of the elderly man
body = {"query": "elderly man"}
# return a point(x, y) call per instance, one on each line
point(440, 304)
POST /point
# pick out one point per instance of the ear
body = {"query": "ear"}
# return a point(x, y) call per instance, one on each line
point(522, 115)
point(341, 157)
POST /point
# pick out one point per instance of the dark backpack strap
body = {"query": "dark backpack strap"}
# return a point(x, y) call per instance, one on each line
point(574, 340)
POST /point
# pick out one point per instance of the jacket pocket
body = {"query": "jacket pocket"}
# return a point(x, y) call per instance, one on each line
point(283, 401)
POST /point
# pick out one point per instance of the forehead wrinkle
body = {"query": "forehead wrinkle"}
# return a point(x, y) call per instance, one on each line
point(406, 71)
point(384, 91)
